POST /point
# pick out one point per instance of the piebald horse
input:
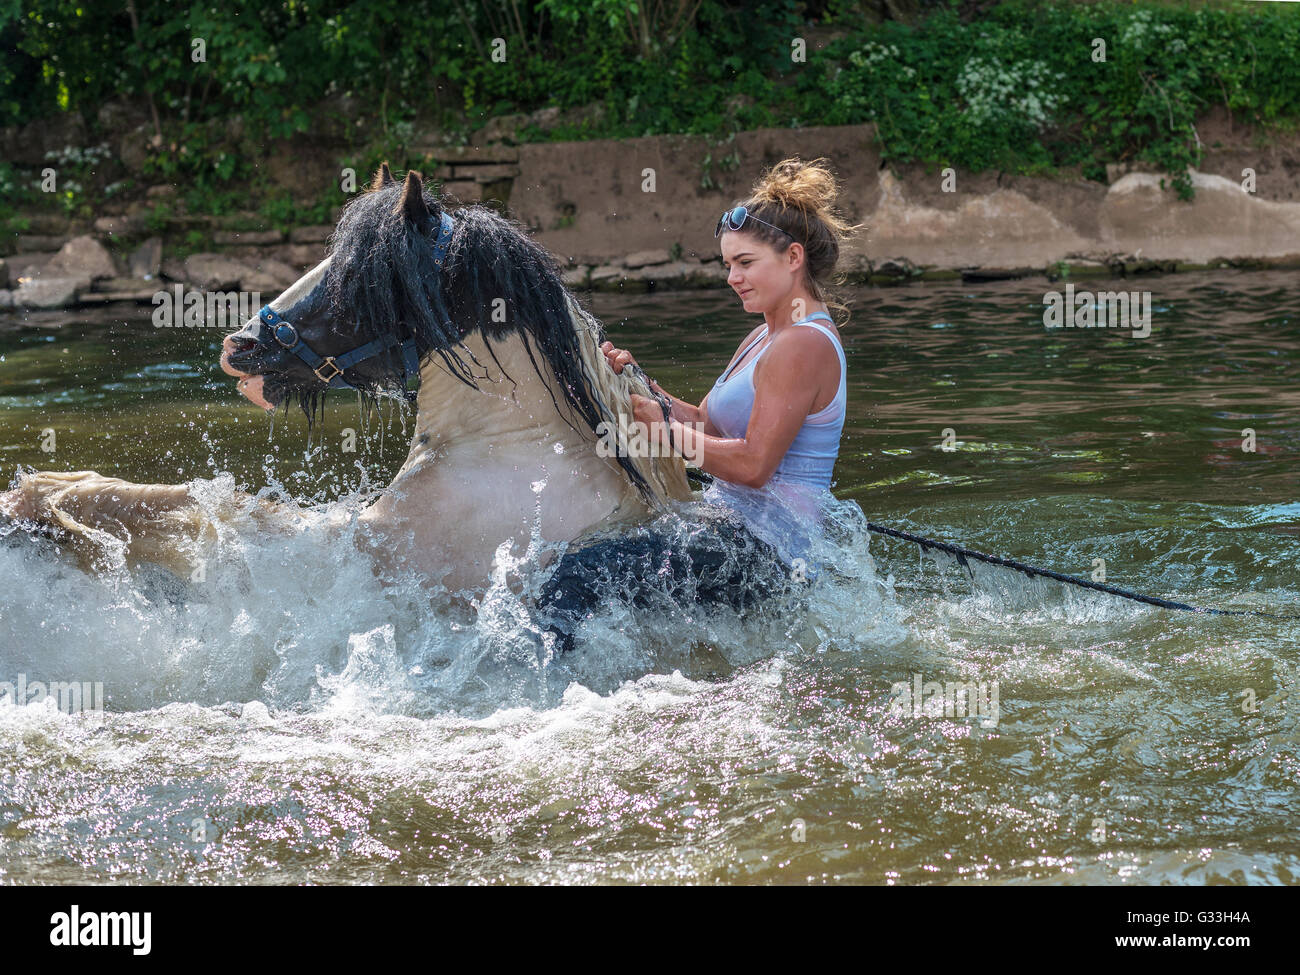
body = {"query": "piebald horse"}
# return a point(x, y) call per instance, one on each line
point(512, 395)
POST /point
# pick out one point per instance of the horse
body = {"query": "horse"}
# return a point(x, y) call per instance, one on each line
point(514, 402)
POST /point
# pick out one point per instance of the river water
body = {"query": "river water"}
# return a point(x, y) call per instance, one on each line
point(290, 720)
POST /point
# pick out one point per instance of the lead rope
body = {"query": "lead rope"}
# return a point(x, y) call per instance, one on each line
point(962, 554)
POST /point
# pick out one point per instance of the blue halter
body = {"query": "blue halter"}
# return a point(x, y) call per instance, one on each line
point(330, 369)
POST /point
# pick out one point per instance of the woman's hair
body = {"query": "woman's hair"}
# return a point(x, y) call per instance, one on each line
point(798, 197)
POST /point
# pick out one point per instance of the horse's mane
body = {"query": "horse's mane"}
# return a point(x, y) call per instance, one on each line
point(665, 475)
point(494, 280)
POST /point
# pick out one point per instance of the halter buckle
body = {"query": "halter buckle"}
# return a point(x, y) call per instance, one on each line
point(286, 335)
point(329, 361)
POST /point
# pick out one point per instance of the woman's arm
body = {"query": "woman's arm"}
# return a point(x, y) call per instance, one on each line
point(784, 395)
point(682, 411)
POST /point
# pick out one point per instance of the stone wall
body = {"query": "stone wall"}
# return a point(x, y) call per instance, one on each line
point(639, 214)
point(586, 203)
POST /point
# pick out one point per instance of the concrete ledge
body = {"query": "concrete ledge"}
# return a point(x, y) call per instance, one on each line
point(638, 214)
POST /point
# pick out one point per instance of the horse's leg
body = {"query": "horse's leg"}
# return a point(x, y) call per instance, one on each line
point(158, 523)
point(89, 498)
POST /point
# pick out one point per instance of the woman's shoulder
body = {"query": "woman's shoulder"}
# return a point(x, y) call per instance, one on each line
point(810, 335)
point(803, 351)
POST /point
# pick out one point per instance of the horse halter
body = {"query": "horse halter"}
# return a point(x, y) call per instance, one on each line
point(272, 332)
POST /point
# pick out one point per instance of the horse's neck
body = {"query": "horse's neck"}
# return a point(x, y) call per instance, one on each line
point(512, 410)
point(499, 462)
point(509, 399)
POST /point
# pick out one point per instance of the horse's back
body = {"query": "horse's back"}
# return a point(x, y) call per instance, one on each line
point(718, 563)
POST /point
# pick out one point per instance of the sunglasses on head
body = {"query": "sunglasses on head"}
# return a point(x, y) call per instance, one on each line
point(735, 218)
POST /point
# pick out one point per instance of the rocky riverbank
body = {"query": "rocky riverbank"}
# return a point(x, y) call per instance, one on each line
point(639, 214)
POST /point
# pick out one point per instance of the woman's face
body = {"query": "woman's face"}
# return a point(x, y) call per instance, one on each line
point(757, 273)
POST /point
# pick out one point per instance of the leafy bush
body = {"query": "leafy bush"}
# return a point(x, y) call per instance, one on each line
point(1021, 90)
point(1016, 88)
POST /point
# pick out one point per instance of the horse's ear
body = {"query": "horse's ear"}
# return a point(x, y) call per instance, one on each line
point(383, 178)
point(412, 204)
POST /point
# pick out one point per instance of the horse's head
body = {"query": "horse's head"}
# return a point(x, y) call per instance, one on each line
point(353, 322)
point(270, 371)
point(405, 281)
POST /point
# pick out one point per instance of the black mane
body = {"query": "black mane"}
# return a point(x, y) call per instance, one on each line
point(383, 278)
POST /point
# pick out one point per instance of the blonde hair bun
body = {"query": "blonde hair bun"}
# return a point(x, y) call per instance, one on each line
point(796, 198)
point(808, 186)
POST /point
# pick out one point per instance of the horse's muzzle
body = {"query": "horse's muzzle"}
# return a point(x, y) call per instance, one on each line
point(237, 352)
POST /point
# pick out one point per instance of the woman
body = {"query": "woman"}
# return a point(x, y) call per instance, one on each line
point(768, 431)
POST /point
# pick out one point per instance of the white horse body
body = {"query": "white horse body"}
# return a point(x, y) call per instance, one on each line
point(493, 464)
point(486, 465)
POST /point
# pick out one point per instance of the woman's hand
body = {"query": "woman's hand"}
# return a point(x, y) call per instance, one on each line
point(650, 415)
point(617, 358)
point(647, 411)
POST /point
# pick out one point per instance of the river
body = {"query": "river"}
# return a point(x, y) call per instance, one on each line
point(292, 721)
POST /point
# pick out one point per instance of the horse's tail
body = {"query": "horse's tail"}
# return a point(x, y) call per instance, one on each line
point(666, 476)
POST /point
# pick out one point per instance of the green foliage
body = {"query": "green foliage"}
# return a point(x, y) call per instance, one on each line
point(159, 215)
point(1016, 89)
point(13, 189)
point(74, 168)
point(1021, 90)
point(661, 67)
point(724, 155)
point(10, 23)
point(285, 212)
point(18, 225)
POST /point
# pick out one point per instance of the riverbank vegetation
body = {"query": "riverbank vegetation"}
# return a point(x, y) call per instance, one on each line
point(208, 91)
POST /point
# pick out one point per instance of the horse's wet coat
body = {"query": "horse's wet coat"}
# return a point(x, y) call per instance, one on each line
point(512, 395)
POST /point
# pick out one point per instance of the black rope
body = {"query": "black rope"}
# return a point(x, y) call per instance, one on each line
point(962, 554)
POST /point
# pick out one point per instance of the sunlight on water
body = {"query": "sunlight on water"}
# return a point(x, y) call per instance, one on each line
point(285, 716)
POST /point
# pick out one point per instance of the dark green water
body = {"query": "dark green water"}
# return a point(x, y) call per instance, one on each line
point(321, 729)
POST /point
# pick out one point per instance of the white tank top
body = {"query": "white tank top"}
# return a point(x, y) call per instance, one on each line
point(810, 458)
point(787, 509)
